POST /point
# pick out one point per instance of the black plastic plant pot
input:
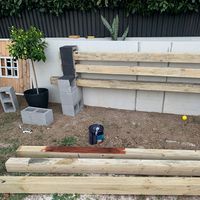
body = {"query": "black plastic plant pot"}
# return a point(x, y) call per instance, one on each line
point(96, 134)
point(40, 100)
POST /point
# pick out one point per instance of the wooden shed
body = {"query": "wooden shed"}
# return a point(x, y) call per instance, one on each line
point(13, 72)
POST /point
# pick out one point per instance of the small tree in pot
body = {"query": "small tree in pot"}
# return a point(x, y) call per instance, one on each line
point(29, 45)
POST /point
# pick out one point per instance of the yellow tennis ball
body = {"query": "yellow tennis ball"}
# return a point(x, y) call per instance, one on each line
point(184, 117)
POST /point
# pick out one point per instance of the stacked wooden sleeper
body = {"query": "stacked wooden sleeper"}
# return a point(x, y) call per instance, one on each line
point(157, 167)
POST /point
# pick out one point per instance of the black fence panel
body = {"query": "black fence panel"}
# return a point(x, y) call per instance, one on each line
point(88, 23)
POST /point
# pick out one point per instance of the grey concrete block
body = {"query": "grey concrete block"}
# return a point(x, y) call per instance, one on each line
point(149, 101)
point(37, 116)
point(152, 78)
point(26, 115)
point(109, 98)
point(182, 103)
point(71, 98)
point(8, 99)
point(65, 86)
point(72, 110)
point(108, 77)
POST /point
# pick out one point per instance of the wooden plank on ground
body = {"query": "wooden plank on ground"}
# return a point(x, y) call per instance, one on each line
point(100, 152)
point(100, 185)
point(142, 71)
point(138, 57)
point(104, 166)
point(139, 85)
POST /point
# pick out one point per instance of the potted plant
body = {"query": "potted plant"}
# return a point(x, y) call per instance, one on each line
point(29, 45)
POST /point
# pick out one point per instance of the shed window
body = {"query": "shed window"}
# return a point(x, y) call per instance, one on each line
point(9, 67)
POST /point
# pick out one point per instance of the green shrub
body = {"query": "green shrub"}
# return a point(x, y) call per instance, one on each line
point(65, 196)
point(68, 141)
point(11, 7)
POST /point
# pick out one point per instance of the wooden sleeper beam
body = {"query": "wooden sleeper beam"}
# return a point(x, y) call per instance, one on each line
point(100, 185)
point(139, 85)
point(141, 71)
point(99, 152)
point(138, 57)
point(104, 166)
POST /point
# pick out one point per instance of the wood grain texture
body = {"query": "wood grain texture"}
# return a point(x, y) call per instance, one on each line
point(139, 57)
point(142, 71)
point(100, 185)
point(91, 152)
point(136, 85)
point(104, 166)
point(21, 83)
point(54, 80)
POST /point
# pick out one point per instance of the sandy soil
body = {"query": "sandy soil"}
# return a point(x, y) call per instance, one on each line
point(122, 129)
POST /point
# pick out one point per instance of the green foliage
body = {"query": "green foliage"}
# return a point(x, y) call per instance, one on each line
point(65, 196)
point(114, 29)
point(12, 7)
point(5, 153)
point(163, 6)
point(125, 33)
point(27, 44)
point(68, 141)
point(17, 196)
point(12, 196)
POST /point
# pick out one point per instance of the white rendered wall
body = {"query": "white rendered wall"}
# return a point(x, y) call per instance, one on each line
point(178, 103)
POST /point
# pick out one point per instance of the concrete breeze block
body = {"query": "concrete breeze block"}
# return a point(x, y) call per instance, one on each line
point(71, 110)
point(71, 97)
point(37, 116)
point(65, 86)
point(8, 99)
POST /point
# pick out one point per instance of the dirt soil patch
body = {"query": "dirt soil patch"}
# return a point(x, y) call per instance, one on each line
point(122, 129)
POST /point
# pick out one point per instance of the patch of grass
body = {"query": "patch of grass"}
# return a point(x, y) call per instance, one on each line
point(13, 196)
point(65, 196)
point(68, 141)
point(6, 119)
point(2, 166)
point(9, 149)
point(5, 153)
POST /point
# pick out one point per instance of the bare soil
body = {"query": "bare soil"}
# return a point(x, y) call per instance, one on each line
point(122, 129)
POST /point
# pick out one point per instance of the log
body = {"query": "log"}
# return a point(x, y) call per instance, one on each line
point(100, 185)
point(99, 152)
point(138, 57)
point(139, 70)
point(104, 166)
point(139, 85)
